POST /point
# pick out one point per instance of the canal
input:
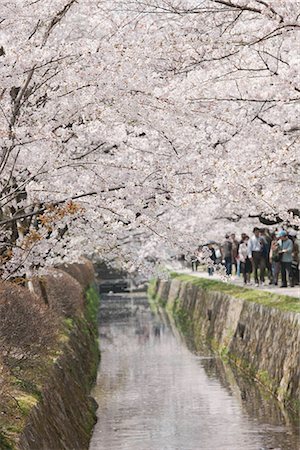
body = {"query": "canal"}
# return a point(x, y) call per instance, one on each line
point(155, 393)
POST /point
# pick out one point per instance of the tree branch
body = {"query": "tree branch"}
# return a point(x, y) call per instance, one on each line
point(59, 16)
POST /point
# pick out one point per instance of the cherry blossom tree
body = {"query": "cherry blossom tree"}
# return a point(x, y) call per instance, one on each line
point(128, 126)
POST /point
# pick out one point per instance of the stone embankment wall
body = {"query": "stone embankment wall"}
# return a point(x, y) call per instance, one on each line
point(65, 415)
point(264, 342)
point(59, 413)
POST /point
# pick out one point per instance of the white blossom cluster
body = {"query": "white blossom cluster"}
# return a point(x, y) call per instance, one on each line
point(164, 122)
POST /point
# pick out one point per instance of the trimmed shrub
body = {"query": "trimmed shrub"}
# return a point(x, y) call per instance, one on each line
point(61, 292)
point(27, 328)
point(83, 272)
point(4, 383)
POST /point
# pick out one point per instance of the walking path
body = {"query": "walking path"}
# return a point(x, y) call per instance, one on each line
point(238, 281)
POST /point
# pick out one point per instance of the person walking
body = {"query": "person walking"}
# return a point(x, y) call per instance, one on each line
point(266, 247)
point(274, 258)
point(295, 257)
point(285, 250)
point(246, 266)
point(256, 256)
point(218, 254)
point(235, 252)
point(227, 254)
point(195, 261)
point(212, 257)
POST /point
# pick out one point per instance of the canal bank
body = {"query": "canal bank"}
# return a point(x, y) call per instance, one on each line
point(257, 332)
point(48, 404)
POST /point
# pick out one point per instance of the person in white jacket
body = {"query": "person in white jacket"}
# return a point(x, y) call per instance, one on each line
point(246, 266)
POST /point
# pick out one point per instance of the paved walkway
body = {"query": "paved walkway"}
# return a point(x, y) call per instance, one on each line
point(238, 281)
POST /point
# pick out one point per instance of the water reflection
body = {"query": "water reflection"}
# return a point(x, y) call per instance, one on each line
point(154, 394)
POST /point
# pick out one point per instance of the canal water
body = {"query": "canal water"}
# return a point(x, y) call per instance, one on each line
point(154, 393)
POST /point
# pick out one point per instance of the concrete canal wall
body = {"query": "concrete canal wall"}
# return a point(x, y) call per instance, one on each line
point(53, 408)
point(263, 341)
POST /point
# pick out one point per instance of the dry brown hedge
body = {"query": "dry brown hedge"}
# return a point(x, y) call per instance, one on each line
point(31, 325)
point(61, 292)
point(83, 272)
point(27, 327)
point(4, 382)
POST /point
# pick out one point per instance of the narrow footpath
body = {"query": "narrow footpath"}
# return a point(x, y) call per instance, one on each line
point(238, 281)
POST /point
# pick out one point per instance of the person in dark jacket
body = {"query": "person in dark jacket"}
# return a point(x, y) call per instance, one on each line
point(266, 240)
point(212, 257)
point(295, 257)
point(227, 254)
point(286, 251)
point(235, 252)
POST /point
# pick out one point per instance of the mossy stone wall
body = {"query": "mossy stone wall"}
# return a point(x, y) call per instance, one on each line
point(263, 341)
point(64, 417)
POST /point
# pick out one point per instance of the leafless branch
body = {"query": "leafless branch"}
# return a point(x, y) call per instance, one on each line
point(59, 16)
